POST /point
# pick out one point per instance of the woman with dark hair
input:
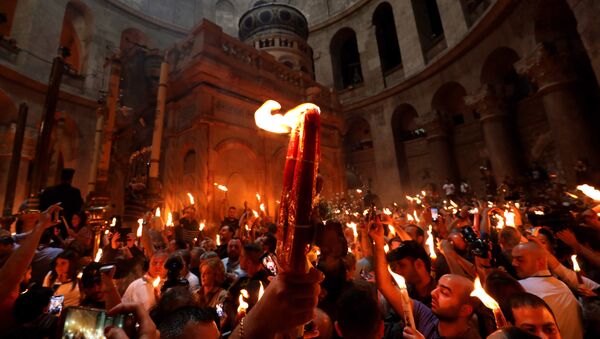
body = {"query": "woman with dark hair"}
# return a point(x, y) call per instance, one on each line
point(62, 278)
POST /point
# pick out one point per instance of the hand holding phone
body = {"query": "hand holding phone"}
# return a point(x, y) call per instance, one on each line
point(56, 304)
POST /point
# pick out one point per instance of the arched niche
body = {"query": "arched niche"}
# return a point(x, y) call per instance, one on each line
point(387, 39)
point(224, 16)
point(448, 100)
point(345, 58)
point(7, 15)
point(404, 128)
point(429, 24)
point(498, 70)
point(76, 35)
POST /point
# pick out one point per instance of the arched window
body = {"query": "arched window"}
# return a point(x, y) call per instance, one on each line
point(498, 70)
point(345, 58)
point(189, 162)
point(7, 15)
point(387, 40)
point(76, 35)
point(404, 128)
point(429, 23)
point(224, 12)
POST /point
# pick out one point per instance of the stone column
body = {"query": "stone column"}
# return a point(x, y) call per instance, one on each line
point(441, 154)
point(369, 59)
point(565, 109)
point(453, 21)
point(413, 59)
point(496, 132)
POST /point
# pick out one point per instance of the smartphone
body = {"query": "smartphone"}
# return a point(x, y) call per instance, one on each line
point(270, 264)
point(123, 232)
point(56, 304)
point(366, 275)
point(434, 213)
point(83, 322)
point(220, 311)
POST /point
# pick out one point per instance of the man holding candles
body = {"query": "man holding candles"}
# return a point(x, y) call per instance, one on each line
point(143, 290)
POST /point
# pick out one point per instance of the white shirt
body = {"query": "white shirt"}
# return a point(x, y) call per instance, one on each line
point(140, 291)
point(68, 289)
point(561, 301)
point(449, 188)
point(193, 280)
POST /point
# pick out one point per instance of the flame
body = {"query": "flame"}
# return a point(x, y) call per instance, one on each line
point(353, 227)
point(246, 227)
point(387, 211)
point(509, 218)
point(386, 248)
point(490, 204)
point(191, 198)
point(397, 278)
point(79, 275)
point(590, 191)
point(453, 204)
point(278, 123)
point(358, 190)
point(485, 298)
point(538, 212)
point(113, 223)
point(98, 255)
point(517, 205)
point(499, 221)
point(156, 282)
point(418, 201)
point(202, 226)
point(140, 228)
point(222, 188)
point(572, 195)
point(262, 207)
point(423, 193)
point(218, 240)
point(106, 232)
point(410, 217)
point(409, 198)
point(429, 243)
point(261, 291)
point(255, 213)
point(169, 219)
point(157, 213)
point(416, 217)
point(392, 230)
point(242, 300)
point(576, 267)
point(258, 197)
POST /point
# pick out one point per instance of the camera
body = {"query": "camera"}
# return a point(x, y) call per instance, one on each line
point(478, 247)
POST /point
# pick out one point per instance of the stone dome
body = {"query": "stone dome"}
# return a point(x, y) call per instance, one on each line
point(271, 18)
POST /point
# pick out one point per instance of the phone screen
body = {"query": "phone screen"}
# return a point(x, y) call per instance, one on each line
point(270, 264)
point(56, 304)
point(220, 311)
point(82, 322)
point(434, 213)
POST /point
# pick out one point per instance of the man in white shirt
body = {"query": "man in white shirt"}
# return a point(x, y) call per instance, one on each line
point(449, 189)
point(531, 265)
point(232, 262)
point(141, 290)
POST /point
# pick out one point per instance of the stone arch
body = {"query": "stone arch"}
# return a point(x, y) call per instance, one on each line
point(76, 35)
point(448, 101)
point(234, 143)
point(429, 23)
point(7, 8)
point(224, 16)
point(236, 166)
point(358, 149)
point(387, 39)
point(404, 128)
point(345, 58)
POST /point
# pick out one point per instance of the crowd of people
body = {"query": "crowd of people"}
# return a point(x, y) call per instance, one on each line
point(406, 270)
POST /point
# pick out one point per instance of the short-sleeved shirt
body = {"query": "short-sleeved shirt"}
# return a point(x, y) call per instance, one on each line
point(140, 291)
point(427, 323)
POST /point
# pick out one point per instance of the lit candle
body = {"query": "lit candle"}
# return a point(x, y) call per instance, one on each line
point(262, 207)
point(243, 307)
point(509, 218)
point(571, 195)
point(191, 197)
point(489, 302)
point(169, 220)
point(358, 190)
point(157, 213)
point(353, 227)
point(258, 197)
point(202, 226)
point(261, 291)
point(218, 240)
point(222, 188)
point(98, 255)
point(140, 228)
point(577, 269)
point(387, 211)
point(430, 244)
point(590, 191)
point(407, 313)
point(113, 223)
point(392, 230)
point(416, 217)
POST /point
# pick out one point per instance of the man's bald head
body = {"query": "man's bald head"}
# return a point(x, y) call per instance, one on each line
point(451, 299)
point(528, 259)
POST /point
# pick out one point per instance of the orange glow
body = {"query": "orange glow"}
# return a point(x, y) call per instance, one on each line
point(397, 278)
point(590, 191)
point(261, 291)
point(140, 228)
point(430, 244)
point(576, 267)
point(242, 300)
point(191, 197)
point(157, 213)
point(98, 255)
point(222, 188)
point(485, 298)
point(169, 219)
point(353, 227)
point(156, 282)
